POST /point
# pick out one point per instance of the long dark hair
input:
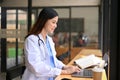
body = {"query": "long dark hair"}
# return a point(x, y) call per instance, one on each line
point(45, 14)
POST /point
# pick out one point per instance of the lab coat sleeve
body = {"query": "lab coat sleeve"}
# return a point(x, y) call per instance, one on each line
point(35, 59)
point(59, 64)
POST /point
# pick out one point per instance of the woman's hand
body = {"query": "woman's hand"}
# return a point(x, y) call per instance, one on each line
point(70, 69)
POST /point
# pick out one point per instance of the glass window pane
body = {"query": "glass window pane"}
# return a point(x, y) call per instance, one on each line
point(61, 35)
point(16, 35)
point(87, 33)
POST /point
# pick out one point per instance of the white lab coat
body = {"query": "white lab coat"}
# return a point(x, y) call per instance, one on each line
point(37, 59)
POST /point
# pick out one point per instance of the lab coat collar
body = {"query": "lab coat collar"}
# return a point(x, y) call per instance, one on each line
point(41, 37)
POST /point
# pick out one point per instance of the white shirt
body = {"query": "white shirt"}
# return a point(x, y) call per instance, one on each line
point(37, 59)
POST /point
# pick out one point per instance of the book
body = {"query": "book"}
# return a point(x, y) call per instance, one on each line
point(88, 61)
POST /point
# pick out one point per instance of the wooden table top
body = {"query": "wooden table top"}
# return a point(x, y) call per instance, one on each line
point(82, 53)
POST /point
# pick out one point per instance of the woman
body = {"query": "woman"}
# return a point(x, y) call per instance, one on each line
point(40, 55)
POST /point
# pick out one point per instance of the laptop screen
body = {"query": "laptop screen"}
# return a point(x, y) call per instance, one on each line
point(105, 58)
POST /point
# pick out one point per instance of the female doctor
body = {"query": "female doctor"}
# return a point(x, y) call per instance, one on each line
point(40, 55)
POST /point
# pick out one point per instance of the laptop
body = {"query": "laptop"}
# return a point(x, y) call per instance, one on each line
point(106, 58)
point(88, 73)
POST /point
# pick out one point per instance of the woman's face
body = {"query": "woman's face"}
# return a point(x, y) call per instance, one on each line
point(50, 25)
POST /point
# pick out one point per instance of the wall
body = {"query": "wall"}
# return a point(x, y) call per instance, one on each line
point(38, 3)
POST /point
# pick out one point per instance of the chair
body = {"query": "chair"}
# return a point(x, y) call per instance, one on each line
point(15, 71)
point(63, 56)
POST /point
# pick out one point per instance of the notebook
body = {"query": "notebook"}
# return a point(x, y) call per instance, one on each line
point(88, 61)
point(87, 73)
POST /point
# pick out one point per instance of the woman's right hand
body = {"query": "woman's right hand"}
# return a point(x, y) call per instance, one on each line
point(70, 69)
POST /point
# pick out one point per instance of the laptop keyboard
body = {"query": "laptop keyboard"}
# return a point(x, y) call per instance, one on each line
point(87, 72)
point(83, 73)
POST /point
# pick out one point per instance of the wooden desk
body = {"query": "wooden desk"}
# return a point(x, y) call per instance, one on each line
point(82, 53)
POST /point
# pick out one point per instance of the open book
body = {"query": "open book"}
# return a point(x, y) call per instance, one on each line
point(88, 61)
